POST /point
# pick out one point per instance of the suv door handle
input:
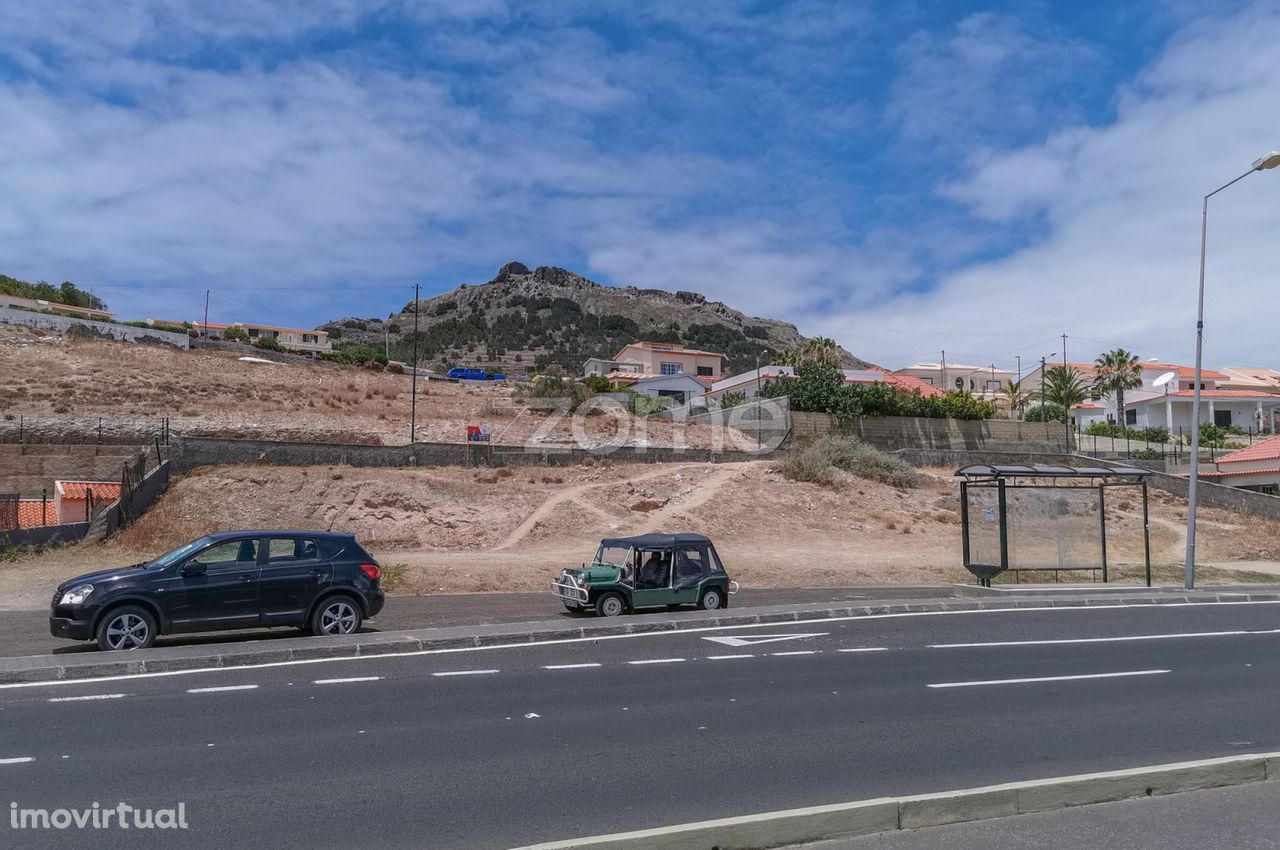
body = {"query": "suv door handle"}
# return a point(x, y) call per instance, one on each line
point(246, 578)
point(315, 573)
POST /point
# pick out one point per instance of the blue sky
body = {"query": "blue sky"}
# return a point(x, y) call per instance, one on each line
point(904, 177)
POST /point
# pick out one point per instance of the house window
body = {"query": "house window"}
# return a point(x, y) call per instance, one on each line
point(993, 386)
point(1131, 417)
point(670, 368)
point(308, 337)
point(705, 371)
point(253, 333)
point(1222, 418)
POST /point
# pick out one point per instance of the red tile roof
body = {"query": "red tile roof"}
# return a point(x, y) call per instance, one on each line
point(1266, 450)
point(33, 513)
point(102, 490)
point(1185, 371)
point(1230, 473)
point(911, 383)
point(666, 348)
point(1218, 394)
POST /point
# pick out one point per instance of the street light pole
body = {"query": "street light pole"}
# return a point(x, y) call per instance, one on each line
point(1267, 162)
point(759, 354)
point(413, 404)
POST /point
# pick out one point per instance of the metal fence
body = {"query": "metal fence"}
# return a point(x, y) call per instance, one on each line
point(84, 429)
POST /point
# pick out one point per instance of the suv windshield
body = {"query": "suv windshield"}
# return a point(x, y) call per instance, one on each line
point(178, 554)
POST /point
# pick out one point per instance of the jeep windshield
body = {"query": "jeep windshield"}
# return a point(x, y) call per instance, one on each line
point(178, 554)
point(613, 556)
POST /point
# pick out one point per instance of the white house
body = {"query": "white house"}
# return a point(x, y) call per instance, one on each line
point(681, 388)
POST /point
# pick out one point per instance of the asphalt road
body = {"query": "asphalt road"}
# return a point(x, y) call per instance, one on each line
point(27, 632)
point(502, 746)
point(1242, 817)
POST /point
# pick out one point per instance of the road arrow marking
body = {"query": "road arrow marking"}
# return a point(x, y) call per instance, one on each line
point(751, 640)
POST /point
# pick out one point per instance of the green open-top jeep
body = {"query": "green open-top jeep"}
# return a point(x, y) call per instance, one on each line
point(647, 571)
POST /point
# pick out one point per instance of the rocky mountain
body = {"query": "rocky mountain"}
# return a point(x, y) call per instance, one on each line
point(523, 320)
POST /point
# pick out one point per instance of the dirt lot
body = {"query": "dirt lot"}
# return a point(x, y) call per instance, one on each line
point(459, 530)
point(64, 387)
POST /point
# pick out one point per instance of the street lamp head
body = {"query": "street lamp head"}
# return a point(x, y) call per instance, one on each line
point(1271, 160)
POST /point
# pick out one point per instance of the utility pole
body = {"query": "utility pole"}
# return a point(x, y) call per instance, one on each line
point(759, 354)
point(1066, 420)
point(413, 404)
point(944, 370)
point(1064, 349)
point(1021, 405)
point(206, 314)
point(1042, 380)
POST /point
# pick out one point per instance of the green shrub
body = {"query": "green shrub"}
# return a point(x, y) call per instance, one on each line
point(817, 462)
point(1152, 434)
point(1047, 412)
point(820, 388)
point(236, 334)
point(728, 400)
point(597, 384)
point(1146, 454)
point(268, 343)
point(1103, 429)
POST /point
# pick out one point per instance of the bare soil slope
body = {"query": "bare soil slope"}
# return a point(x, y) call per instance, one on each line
point(460, 530)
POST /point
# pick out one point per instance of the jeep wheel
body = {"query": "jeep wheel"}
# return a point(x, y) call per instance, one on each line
point(337, 615)
point(128, 627)
point(611, 605)
point(711, 600)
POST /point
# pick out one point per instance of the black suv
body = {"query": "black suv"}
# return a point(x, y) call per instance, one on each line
point(322, 581)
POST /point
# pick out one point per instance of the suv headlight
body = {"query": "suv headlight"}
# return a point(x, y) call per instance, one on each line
point(76, 595)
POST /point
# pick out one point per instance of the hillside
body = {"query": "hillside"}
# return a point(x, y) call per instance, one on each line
point(65, 293)
point(523, 320)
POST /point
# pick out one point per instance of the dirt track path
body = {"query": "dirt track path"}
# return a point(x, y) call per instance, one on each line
point(703, 493)
point(571, 494)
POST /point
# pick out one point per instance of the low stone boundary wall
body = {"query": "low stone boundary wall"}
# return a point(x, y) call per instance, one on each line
point(106, 330)
point(902, 432)
point(190, 452)
point(1210, 494)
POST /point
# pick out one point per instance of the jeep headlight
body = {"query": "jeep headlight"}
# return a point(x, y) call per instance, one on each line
point(76, 595)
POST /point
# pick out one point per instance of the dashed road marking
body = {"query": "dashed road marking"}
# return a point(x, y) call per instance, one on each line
point(465, 672)
point(796, 652)
point(865, 649)
point(17, 760)
point(657, 661)
point(1121, 639)
point(345, 681)
point(729, 657)
point(570, 666)
point(221, 689)
point(85, 697)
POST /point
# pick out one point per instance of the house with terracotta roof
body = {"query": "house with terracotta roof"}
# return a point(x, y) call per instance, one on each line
point(747, 382)
point(1251, 378)
point(641, 359)
point(74, 500)
point(1254, 468)
point(983, 381)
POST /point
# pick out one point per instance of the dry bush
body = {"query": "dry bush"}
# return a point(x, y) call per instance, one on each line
point(818, 461)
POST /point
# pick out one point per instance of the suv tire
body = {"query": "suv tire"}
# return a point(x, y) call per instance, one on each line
point(336, 615)
point(125, 628)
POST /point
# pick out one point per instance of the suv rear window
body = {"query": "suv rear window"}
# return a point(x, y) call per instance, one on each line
point(291, 549)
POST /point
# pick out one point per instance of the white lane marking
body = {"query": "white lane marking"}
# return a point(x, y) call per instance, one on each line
point(728, 657)
point(1170, 606)
point(1122, 638)
point(656, 661)
point(569, 666)
point(221, 689)
point(865, 649)
point(464, 672)
point(750, 640)
point(18, 760)
point(797, 652)
point(345, 681)
point(1047, 679)
point(85, 697)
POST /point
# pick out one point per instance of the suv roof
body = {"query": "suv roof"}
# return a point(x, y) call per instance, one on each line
point(326, 535)
point(656, 540)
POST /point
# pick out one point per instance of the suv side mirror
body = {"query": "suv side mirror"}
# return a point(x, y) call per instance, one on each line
point(193, 568)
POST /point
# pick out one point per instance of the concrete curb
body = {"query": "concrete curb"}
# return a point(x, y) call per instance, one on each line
point(45, 668)
point(885, 814)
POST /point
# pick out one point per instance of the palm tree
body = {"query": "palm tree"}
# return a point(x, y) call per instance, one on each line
point(1117, 371)
point(1016, 394)
point(820, 350)
point(1064, 386)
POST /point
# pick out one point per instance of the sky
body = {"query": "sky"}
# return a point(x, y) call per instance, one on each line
point(905, 177)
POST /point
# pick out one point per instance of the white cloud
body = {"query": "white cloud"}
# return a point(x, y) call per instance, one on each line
point(1117, 263)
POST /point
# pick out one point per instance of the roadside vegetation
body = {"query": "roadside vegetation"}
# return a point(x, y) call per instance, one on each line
point(821, 461)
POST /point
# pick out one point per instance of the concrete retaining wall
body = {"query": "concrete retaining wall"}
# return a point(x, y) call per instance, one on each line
point(44, 535)
point(190, 452)
point(28, 469)
point(1208, 493)
point(105, 330)
point(902, 432)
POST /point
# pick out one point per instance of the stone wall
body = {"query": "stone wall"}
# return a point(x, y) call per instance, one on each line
point(1211, 495)
point(44, 535)
point(190, 452)
point(105, 330)
point(900, 432)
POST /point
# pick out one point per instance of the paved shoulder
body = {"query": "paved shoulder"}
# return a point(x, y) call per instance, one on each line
point(1241, 817)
